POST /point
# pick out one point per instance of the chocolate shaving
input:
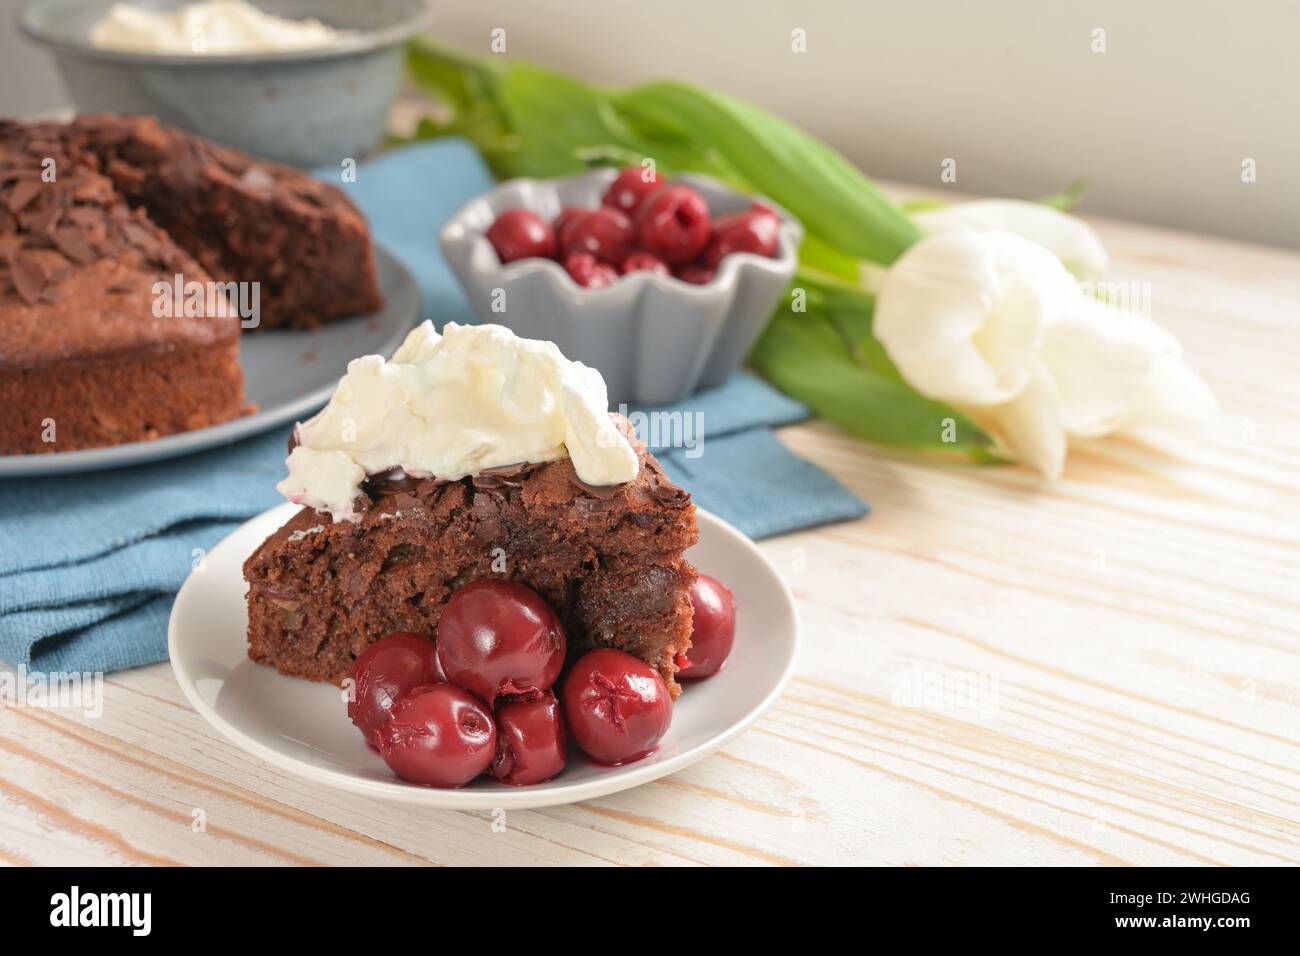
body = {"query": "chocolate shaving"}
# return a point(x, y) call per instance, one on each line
point(666, 493)
point(29, 279)
point(594, 491)
point(390, 482)
point(430, 486)
point(136, 235)
point(488, 526)
point(41, 220)
point(83, 215)
point(52, 292)
point(22, 194)
point(501, 477)
point(106, 247)
point(520, 469)
point(74, 245)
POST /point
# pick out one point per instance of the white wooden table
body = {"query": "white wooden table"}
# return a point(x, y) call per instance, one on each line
point(996, 671)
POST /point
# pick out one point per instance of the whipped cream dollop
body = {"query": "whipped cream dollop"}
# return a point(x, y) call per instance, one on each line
point(453, 405)
point(211, 27)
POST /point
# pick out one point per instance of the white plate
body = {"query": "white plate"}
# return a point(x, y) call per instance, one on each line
point(303, 727)
point(287, 373)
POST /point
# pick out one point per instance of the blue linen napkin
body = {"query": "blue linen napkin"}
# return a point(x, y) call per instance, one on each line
point(89, 564)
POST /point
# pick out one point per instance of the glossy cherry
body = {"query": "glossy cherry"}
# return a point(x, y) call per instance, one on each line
point(567, 215)
point(530, 741)
point(499, 638)
point(695, 274)
point(673, 223)
point(520, 234)
point(629, 188)
point(604, 233)
point(754, 231)
point(585, 270)
point(616, 706)
point(644, 262)
point(714, 631)
point(439, 735)
point(386, 672)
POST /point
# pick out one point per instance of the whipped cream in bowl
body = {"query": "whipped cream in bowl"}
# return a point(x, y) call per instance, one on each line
point(452, 406)
point(212, 27)
point(300, 82)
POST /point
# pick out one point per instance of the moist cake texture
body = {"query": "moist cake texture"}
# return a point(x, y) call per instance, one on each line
point(609, 559)
point(244, 220)
point(84, 361)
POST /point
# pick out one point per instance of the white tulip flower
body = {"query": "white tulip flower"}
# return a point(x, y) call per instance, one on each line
point(993, 324)
point(1069, 239)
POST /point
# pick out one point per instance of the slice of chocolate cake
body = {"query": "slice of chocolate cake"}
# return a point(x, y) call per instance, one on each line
point(243, 219)
point(609, 560)
point(409, 496)
point(86, 356)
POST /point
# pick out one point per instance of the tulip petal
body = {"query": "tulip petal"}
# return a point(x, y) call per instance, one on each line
point(1174, 395)
point(1115, 370)
point(1028, 428)
point(1098, 368)
point(1070, 239)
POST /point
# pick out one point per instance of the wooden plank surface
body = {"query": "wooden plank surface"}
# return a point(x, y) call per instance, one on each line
point(1104, 671)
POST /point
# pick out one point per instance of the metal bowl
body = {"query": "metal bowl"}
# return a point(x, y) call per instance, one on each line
point(655, 339)
point(302, 107)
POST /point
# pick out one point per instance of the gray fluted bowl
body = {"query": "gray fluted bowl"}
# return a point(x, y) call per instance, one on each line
point(303, 107)
point(655, 339)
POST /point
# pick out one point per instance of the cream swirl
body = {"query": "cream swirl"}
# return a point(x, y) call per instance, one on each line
point(450, 406)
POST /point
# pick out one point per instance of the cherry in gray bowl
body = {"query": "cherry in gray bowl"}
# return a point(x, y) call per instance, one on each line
point(654, 338)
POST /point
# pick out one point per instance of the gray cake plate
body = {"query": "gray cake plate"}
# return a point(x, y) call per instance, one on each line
point(287, 374)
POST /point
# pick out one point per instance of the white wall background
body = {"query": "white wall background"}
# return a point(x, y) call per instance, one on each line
point(1159, 124)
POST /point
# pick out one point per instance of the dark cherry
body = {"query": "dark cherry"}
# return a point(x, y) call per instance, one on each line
point(629, 188)
point(644, 262)
point(520, 234)
point(499, 638)
point(530, 741)
point(673, 223)
point(585, 270)
point(567, 215)
point(616, 706)
point(439, 735)
point(695, 274)
point(604, 233)
point(386, 672)
point(752, 231)
point(714, 631)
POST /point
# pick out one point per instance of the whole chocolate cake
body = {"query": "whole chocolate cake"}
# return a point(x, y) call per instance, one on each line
point(96, 216)
point(84, 358)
